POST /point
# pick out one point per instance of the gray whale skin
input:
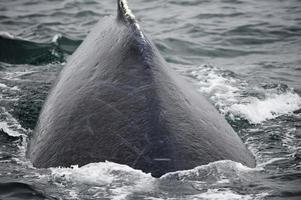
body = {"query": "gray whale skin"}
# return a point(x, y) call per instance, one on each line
point(117, 100)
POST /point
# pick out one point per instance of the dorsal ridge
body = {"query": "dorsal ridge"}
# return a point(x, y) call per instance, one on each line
point(124, 12)
point(125, 15)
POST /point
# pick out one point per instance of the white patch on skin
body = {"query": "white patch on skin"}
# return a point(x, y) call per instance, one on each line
point(128, 14)
point(127, 10)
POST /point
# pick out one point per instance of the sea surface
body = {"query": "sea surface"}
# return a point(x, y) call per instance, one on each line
point(243, 55)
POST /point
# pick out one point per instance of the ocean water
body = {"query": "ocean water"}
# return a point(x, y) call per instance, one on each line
point(243, 55)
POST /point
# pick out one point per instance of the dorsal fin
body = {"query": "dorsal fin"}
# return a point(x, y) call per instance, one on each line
point(124, 13)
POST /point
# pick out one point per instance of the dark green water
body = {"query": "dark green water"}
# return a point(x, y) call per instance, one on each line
point(244, 55)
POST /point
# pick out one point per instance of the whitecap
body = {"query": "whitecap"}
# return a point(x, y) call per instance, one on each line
point(271, 161)
point(3, 85)
point(13, 128)
point(228, 95)
point(227, 194)
point(120, 180)
point(7, 35)
point(221, 168)
point(7, 129)
point(15, 75)
point(223, 90)
point(56, 37)
point(275, 105)
point(15, 88)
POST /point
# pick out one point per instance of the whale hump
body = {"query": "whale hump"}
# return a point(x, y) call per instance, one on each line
point(117, 100)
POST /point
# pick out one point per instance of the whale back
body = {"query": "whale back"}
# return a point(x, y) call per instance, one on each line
point(117, 100)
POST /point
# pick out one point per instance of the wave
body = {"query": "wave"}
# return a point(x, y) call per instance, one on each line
point(237, 99)
point(3, 86)
point(15, 50)
point(122, 180)
point(8, 130)
point(182, 47)
point(207, 181)
point(7, 136)
point(12, 131)
point(273, 106)
point(65, 44)
point(20, 191)
point(99, 174)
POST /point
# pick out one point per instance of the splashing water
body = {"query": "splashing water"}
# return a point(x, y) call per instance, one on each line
point(253, 79)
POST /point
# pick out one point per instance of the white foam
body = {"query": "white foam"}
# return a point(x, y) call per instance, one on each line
point(216, 84)
point(117, 182)
point(56, 37)
point(12, 127)
point(271, 161)
point(15, 75)
point(73, 195)
point(219, 174)
point(225, 194)
point(7, 129)
point(7, 35)
point(15, 88)
point(91, 174)
point(257, 111)
point(10, 35)
point(3, 85)
point(106, 174)
point(227, 95)
point(223, 90)
point(220, 171)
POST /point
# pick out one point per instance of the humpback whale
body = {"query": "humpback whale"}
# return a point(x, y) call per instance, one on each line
point(117, 100)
